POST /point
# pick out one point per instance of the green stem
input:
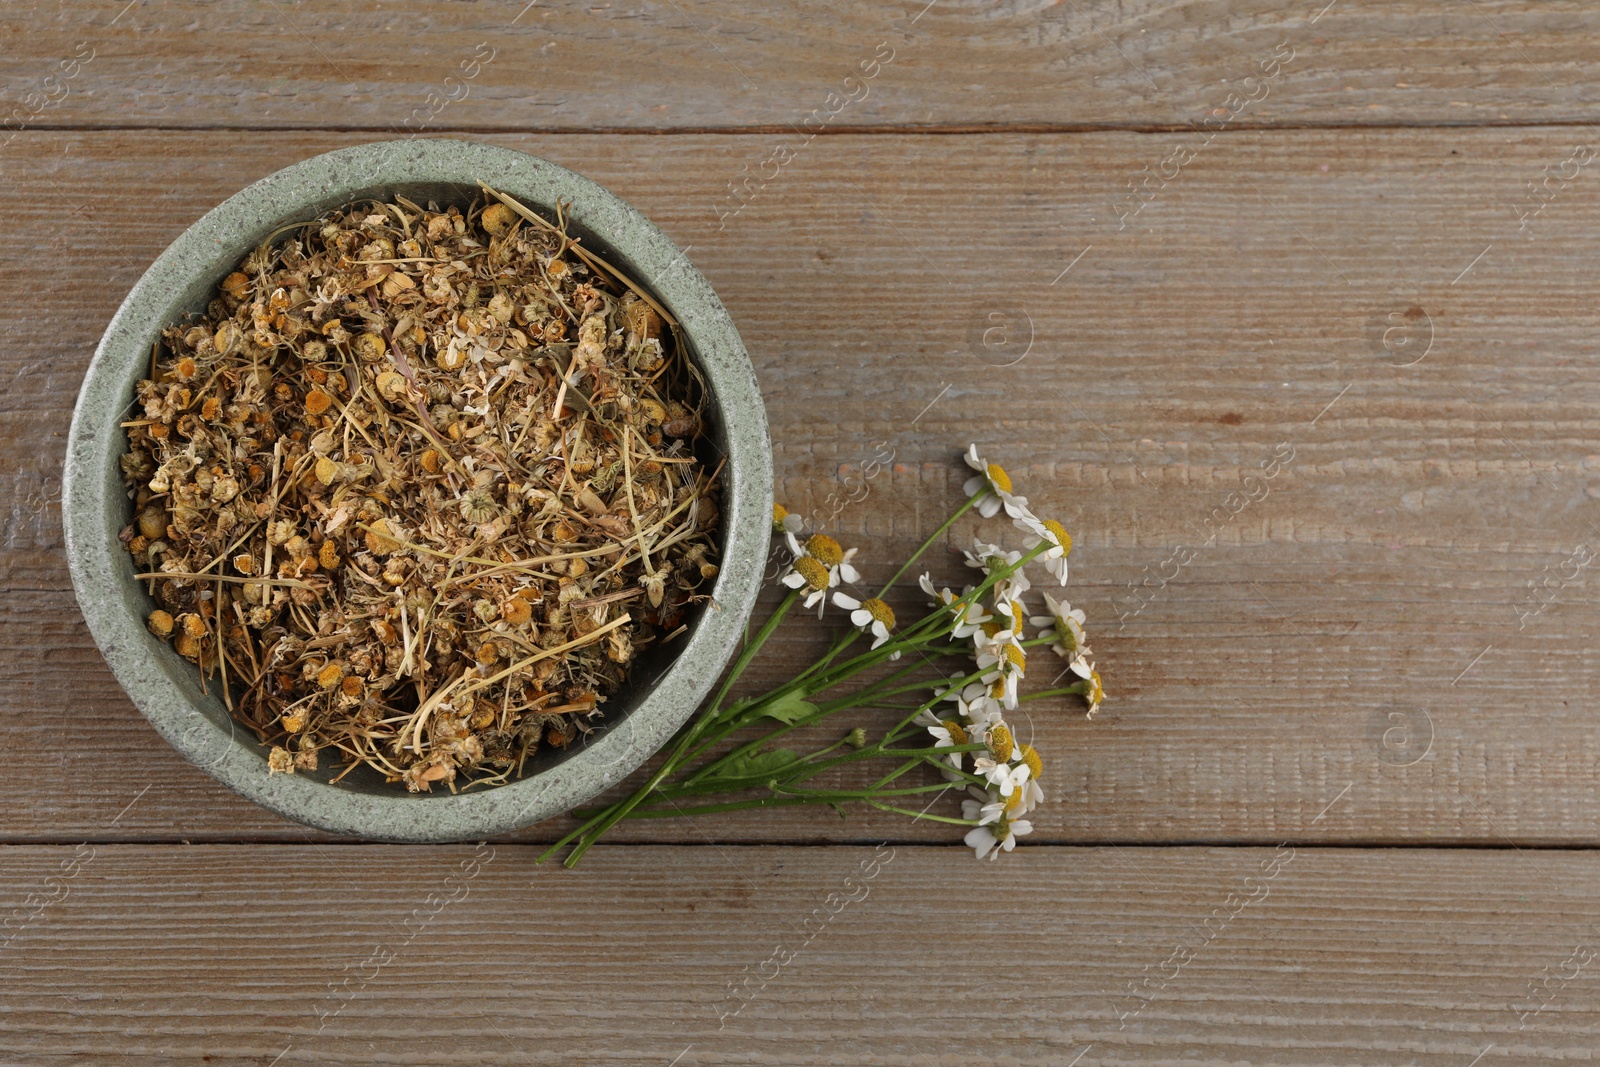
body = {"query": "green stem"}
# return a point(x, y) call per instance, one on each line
point(940, 532)
point(617, 812)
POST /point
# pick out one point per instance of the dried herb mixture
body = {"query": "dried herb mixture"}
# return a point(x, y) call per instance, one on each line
point(419, 486)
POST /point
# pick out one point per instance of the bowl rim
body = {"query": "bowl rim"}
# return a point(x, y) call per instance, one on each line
point(94, 505)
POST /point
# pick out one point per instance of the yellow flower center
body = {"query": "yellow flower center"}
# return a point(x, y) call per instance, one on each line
point(1059, 531)
point(1000, 743)
point(815, 574)
point(997, 689)
point(1096, 693)
point(999, 478)
point(880, 611)
point(826, 549)
point(1013, 800)
point(1030, 756)
point(779, 513)
point(991, 628)
point(1018, 658)
point(957, 734)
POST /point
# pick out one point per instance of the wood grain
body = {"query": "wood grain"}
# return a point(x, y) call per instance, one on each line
point(804, 956)
point(663, 65)
point(1341, 661)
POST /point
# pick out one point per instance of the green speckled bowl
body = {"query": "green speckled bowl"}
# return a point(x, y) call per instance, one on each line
point(166, 687)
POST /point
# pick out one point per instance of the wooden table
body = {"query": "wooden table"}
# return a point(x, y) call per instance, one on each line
point(1340, 807)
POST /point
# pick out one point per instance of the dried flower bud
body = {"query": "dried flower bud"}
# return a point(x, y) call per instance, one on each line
point(279, 761)
point(330, 676)
point(516, 611)
point(153, 522)
point(391, 385)
point(369, 347)
point(160, 623)
point(497, 219)
point(379, 539)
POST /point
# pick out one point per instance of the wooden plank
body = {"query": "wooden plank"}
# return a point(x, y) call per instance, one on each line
point(690, 956)
point(663, 65)
point(1339, 660)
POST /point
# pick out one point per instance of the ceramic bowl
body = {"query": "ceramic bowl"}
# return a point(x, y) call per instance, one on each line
point(166, 688)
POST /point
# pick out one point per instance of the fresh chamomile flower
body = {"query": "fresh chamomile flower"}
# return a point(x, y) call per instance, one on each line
point(1004, 665)
point(998, 836)
point(829, 553)
point(985, 807)
point(1029, 794)
point(1052, 532)
point(1094, 693)
point(785, 521)
point(819, 565)
point(1011, 613)
point(1003, 774)
point(1065, 624)
point(870, 616)
point(991, 560)
point(974, 704)
point(995, 483)
point(809, 574)
point(946, 733)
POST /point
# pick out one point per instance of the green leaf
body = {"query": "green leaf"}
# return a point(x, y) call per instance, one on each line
point(758, 764)
point(790, 708)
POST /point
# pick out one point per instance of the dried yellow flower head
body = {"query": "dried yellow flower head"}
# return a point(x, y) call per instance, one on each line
point(153, 522)
point(192, 624)
point(244, 563)
point(185, 368)
point(379, 541)
point(327, 470)
point(317, 402)
point(330, 676)
point(352, 687)
point(431, 461)
point(237, 285)
point(279, 761)
point(186, 646)
point(497, 219)
point(328, 555)
point(391, 385)
point(516, 611)
point(369, 346)
point(160, 623)
point(294, 721)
